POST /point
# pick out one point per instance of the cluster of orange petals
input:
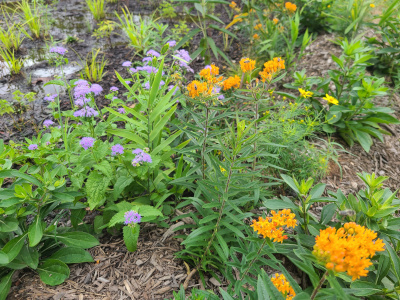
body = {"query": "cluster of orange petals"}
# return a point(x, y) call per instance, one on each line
point(283, 286)
point(231, 82)
point(271, 67)
point(210, 73)
point(290, 7)
point(273, 227)
point(197, 88)
point(347, 249)
point(247, 64)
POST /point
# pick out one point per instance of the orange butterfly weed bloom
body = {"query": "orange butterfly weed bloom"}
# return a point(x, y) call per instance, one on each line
point(275, 20)
point(256, 36)
point(197, 88)
point(290, 7)
point(271, 67)
point(273, 227)
point(247, 64)
point(258, 27)
point(347, 249)
point(210, 73)
point(283, 286)
point(231, 82)
point(233, 4)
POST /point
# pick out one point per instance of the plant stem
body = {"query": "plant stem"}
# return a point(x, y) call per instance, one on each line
point(253, 260)
point(203, 151)
point(303, 202)
point(321, 282)
point(255, 142)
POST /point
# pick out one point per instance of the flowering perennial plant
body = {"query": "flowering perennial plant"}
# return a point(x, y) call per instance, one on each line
point(141, 157)
point(87, 112)
point(331, 100)
point(87, 142)
point(306, 94)
point(273, 227)
point(291, 8)
point(47, 123)
point(32, 146)
point(283, 286)
point(132, 218)
point(117, 149)
point(247, 64)
point(50, 98)
point(58, 50)
point(231, 82)
point(347, 249)
point(272, 67)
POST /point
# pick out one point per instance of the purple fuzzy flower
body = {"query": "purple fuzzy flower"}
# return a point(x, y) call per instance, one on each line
point(81, 101)
point(32, 146)
point(146, 85)
point(117, 149)
point(96, 89)
point(121, 110)
point(133, 70)
point(58, 50)
point(126, 64)
point(149, 69)
point(170, 87)
point(141, 157)
point(48, 143)
point(50, 98)
point(153, 53)
point(132, 217)
point(114, 89)
point(184, 59)
point(127, 82)
point(87, 111)
point(171, 43)
point(146, 60)
point(82, 88)
point(48, 123)
point(87, 142)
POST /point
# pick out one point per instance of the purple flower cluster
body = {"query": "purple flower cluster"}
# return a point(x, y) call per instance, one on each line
point(217, 90)
point(96, 89)
point(32, 146)
point(121, 110)
point(126, 64)
point(170, 87)
point(127, 82)
point(117, 149)
point(87, 111)
point(146, 60)
point(48, 123)
point(184, 59)
point(58, 50)
point(147, 85)
point(153, 53)
point(141, 157)
point(114, 89)
point(82, 89)
point(87, 142)
point(132, 217)
point(171, 43)
point(50, 98)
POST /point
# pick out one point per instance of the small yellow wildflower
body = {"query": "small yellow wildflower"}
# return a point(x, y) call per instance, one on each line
point(372, 5)
point(258, 27)
point(233, 4)
point(306, 94)
point(222, 169)
point(331, 99)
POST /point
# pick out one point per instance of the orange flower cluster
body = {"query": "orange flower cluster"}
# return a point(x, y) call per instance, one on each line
point(258, 27)
point(275, 20)
point(247, 64)
point(271, 67)
point(210, 73)
point(283, 286)
point(272, 227)
point(197, 88)
point(290, 7)
point(256, 36)
point(347, 249)
point(231, 82)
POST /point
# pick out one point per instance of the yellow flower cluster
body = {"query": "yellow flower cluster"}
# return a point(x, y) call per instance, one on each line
point(258, 27)
point(347, 249)
point(247, 64)
point(331, 99)
point(290, 7)
point(273, 227)
point(231, 82)
point(306, 94)
point(271, 67)
point(283, 286)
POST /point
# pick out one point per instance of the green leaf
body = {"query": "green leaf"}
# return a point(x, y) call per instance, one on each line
point(29, 256)
point(35, 232)
point(8, 224)
point(226, 296)
point(365, 288)
point(364, 139)
point(128, 135)
point(161, 123)
point(5, 285)
point(17, 174)
point(119, 186)
point(149, 211)
point(3, 258)
point(72, 255)
point(55, 82)
point(131, 235)
point(290, 182)
point(155, 85)
point(53, 272)
point(105, 168)
point(13, 247)
point(96, 186)
point(78, 239)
